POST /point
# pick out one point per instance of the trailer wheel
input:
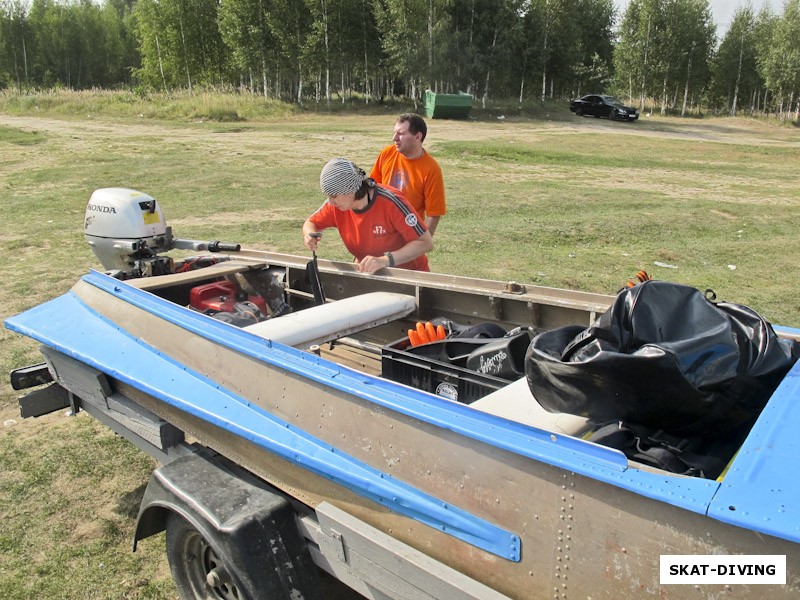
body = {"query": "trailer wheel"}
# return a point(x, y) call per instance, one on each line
point(198, 569)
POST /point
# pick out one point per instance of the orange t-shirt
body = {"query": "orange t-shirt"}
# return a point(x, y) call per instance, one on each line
point(420, 180)
point(387, 224)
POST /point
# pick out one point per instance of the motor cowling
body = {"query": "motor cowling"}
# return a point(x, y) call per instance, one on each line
point(125, 227)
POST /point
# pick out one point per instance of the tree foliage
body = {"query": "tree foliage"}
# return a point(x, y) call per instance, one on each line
point(779, 56)
point(659, 53)
point(77, 44)
point(664, 51)
point(736, 80)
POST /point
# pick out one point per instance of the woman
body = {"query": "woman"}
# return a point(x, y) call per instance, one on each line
point(377, 225)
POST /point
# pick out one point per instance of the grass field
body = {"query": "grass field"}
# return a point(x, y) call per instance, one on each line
point(550, 199)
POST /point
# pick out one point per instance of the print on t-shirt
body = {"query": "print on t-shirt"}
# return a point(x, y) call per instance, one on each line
point(398, 180)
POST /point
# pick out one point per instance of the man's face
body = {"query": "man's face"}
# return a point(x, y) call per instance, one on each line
point(407, 143)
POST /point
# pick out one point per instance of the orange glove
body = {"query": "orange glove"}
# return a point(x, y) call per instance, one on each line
point(425, 333)
point(422, 333)
point(431, 331)
point(413, 337)
point(640, 277)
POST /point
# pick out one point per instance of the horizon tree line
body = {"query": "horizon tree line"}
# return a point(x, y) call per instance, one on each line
point(659, 54)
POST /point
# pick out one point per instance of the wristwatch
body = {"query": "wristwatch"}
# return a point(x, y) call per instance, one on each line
point(390, 256)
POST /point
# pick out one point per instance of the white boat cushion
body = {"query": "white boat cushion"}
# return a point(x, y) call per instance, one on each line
point(515, 402)
point(340, 318)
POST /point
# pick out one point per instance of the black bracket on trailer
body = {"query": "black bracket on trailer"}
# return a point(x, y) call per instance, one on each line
point(31, 376)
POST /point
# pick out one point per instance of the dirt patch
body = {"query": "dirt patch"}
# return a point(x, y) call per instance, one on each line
point(255, 137)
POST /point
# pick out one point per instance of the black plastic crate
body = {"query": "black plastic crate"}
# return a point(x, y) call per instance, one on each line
point(431, 375)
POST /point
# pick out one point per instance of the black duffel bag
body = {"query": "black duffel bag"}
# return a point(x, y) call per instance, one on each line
point(665, 356)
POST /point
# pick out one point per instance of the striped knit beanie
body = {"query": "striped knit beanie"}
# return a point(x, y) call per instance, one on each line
point(340, 176)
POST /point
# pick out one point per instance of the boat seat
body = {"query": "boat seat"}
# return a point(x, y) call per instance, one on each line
point(515, 402)
point(340, 318)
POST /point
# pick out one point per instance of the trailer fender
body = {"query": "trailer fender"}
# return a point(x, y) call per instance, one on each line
point(248, 527)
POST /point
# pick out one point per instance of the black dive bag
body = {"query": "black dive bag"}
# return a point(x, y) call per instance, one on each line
point(664, 356)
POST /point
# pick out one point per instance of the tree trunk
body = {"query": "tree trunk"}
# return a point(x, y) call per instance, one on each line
point(489, 69)
point(24, 60)
point(430, 42)
point(366, 72)
point(630, 89)
point(185, 57)
point(327, 55)
point(161, 65)
point(544, 66)
point(264, 85)
point(644, 66)
point(686, 89)
point(544, 87)
point(738, 77)
point(299, 82)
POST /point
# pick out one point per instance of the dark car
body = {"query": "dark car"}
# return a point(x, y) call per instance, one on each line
point(598, 105)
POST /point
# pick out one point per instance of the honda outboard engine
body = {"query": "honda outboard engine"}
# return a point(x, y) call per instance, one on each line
point(126, 230)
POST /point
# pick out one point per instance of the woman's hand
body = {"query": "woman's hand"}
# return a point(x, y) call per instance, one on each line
point(370, 264)
point(311, 236)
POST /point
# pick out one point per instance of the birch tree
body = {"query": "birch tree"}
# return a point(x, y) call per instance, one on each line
point(244, 29)
point(779, 58)
point(734, 71)
point(180, 43)
point(15, 40)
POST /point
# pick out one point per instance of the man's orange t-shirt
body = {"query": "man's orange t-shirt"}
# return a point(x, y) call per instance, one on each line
point(420, 180)
point(387, 224)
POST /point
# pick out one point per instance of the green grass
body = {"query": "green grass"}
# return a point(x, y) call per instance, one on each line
point(20, 138)
point(554, 200)
point(63, 543)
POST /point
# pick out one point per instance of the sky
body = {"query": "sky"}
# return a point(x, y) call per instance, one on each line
point(723, 10)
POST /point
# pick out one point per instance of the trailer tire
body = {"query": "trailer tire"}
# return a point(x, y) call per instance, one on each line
point(199, 566)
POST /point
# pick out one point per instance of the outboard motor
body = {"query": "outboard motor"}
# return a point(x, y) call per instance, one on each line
point(126, 230)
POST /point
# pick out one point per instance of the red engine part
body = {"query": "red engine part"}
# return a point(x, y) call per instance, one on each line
point(222, 296)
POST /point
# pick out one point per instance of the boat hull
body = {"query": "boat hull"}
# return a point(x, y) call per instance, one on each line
point(528, 512)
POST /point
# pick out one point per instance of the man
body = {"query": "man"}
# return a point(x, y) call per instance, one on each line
point(406, 166)
point(376, 224)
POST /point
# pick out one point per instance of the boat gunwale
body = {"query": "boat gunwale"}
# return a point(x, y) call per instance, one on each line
point(562, 451)
point(696, 495)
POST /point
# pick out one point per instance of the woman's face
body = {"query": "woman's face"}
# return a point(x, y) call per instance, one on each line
point(343, 201)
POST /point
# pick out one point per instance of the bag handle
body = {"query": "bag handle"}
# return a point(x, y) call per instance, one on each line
point(583, 339)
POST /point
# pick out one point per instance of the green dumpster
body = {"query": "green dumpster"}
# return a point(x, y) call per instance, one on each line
point(447, 106)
